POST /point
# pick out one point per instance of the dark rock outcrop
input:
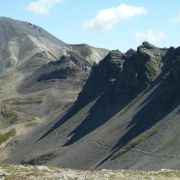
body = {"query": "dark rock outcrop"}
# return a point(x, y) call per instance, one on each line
point(67, 67)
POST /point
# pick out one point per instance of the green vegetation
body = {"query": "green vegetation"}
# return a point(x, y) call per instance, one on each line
point(30, 124)
point(67, 104)
point(178, 59)
point(14, 117)
point(9, 113)
point(9, 64)
point(147, 44)
point(52, 55)
point(7, 135)
point(41, 159)
point(76, 55)
point(131, 104)
point(134, 143)
point(85, 51)
point(150, 71)
point(5, 79)
point(25, 101)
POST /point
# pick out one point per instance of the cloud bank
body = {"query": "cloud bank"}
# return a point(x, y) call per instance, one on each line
point(150, 36)
point(106, 19)
point(42, 7)
point(176, 20)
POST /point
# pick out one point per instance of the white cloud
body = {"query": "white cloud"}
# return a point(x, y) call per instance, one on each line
point(42, 7)
point(176, 20)
point(150, 36)
point(106, 19)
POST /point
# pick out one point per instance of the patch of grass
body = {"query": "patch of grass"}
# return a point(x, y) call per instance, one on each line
point(178, 58)
point(134, 143)
point(150, 71)
point(40, 159)
point(76, 55)
point(9, 114)
point(85, 51)
point(52, 55)
point(131, 104)
point(27, 101)
point(68, 104)
point(30, 124)
point(7, 135)
point(13, 117)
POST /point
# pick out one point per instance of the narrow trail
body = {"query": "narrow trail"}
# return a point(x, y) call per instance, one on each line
point(98, 144)
point(155, 154)
point(122, 149)
point(22, 114)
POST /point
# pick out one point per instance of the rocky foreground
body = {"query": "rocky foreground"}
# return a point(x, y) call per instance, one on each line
point(43, 172)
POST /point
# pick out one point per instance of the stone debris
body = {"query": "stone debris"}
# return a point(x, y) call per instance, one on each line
point(18, 172)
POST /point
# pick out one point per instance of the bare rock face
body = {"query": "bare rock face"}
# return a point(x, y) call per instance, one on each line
point(122, 76)
point(102, 76)
point(139, 71)
point(130, 52)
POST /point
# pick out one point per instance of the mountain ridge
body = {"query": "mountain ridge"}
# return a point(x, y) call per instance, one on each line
point(128, 103)
point(63, 106)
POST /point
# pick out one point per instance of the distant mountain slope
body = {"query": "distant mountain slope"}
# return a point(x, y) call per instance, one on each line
point(126, 117)
point(90, 53)
point(40, 75)
point(20, 41)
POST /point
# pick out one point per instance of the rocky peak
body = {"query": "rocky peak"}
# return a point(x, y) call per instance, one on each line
point(115, 55)
point(147, 45)
point(68, 66)
point(130, 52)
point(136, 71)
point(148, 61)
point(102, 76)
point(173, 79)
point(113, 62)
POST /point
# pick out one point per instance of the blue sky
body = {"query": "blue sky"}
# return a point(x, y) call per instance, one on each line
point(112, 24)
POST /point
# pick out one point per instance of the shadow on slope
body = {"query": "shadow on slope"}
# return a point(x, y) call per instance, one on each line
point(158, 105)
point(110, 102)
point(95, 89)
point(153, 111)
point(98, 115)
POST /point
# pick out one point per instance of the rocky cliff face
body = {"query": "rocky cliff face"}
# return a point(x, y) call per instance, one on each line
point(123, 76)
point(102, 77)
